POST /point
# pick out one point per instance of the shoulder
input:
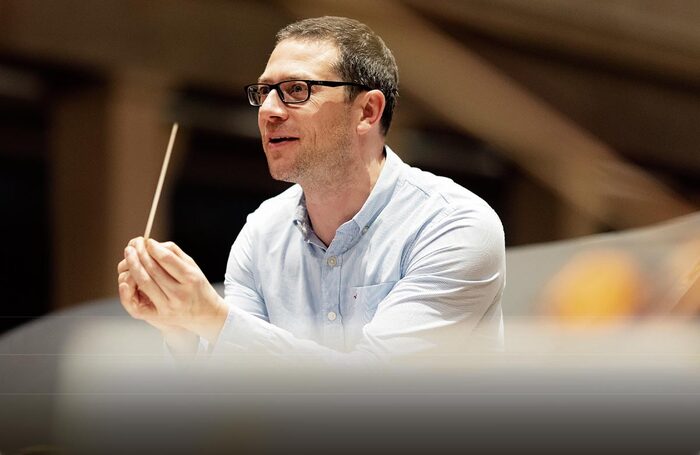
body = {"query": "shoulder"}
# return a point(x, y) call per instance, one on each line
point(449, 223)
point(448, 201)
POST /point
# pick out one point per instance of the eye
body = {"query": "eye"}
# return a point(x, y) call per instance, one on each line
point(295, 91)
point(296, 88)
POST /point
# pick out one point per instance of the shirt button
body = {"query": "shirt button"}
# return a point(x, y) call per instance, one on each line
point(365, 229)
point(332, 261)
point(332, 316)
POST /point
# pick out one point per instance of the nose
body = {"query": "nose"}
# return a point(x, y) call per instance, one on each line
point(273, 108)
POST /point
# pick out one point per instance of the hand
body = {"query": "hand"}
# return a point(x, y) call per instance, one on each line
point(162, 285)
point(135, 302)
point(181, 342)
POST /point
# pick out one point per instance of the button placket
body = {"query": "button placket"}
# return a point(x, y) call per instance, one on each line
point(332, 328)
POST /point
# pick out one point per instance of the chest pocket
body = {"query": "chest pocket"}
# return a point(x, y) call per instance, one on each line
point(367, 298)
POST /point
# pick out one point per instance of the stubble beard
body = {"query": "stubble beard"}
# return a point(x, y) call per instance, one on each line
point(320, 166)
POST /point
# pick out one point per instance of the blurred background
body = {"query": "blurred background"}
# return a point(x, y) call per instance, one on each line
point(571, 119)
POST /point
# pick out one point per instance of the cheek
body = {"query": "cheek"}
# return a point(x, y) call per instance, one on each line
point(261, 123)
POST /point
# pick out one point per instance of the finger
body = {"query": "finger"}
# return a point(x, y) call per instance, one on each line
point(176, 266)
point(122, 266)
point(142, 279)
point(143, 300)
point(126, 290)
point(133, 241)
point(126, 297)
point(133, 306)
point(138, 243)
point(136, 296)
point(139, 297)
point(163, 279)
point(176, 249)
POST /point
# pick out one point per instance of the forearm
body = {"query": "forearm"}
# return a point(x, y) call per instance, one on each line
point(249, 335)
point(244, 333)
point(208, 324)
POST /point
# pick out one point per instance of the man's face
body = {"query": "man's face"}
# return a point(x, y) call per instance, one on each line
point(306, 143)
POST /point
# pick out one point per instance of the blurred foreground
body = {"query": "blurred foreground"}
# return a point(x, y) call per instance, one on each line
point(602, 352)
point(109, 389)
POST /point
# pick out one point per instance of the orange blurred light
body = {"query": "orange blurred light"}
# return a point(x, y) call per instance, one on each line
point(596, 287)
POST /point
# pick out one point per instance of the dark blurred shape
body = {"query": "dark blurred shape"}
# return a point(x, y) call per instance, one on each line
point(26, 257)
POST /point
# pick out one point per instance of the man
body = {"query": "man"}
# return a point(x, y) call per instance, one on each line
point(364, 258)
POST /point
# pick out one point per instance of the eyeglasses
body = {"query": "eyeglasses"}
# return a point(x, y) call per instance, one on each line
point(290, 92)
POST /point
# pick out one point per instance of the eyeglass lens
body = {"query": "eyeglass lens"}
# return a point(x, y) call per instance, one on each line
point(292, 92)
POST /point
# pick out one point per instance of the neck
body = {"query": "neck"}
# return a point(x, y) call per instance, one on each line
point(336, 203)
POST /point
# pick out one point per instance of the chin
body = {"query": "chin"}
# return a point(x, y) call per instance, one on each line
point(282, 175)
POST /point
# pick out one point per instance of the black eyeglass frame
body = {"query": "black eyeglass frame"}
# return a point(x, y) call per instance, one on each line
point(309, 83)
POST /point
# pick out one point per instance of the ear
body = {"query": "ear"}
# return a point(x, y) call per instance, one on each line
point(372, 105)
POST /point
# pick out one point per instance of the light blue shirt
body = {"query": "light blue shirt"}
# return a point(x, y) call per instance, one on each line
point(420, 268)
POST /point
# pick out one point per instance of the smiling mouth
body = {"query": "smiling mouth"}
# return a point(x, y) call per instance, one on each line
point(279, 140)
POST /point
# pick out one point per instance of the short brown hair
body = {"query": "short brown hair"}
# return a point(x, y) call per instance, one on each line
point(364, 58)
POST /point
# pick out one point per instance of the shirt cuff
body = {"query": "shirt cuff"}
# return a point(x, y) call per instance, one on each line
point(242, 332)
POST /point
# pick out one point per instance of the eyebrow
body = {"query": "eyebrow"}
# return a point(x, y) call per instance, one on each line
point(291, 77)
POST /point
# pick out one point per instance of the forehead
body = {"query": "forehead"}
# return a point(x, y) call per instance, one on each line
point(301, 59)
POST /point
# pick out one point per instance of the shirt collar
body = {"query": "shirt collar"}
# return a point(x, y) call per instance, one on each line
point(301, 218)
point(380, 195)
point(378, 198)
